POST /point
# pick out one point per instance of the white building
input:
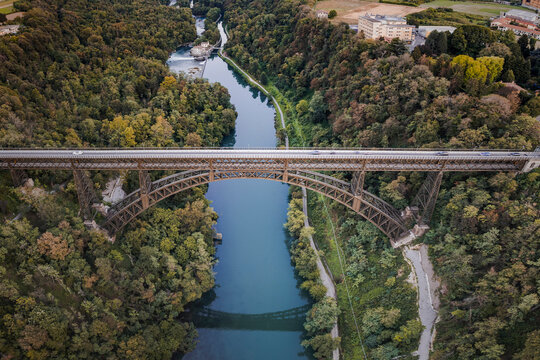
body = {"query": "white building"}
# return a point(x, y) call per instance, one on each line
point(521, 15)
point(321, 14)
point(519, 27)
point(424, 31)
point(9, 29)
point(389, 27)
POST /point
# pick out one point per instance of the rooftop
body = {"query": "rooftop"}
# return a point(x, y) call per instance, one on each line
point(522, 14)
point(9, 29)
point(382, 18)
point(506, 22)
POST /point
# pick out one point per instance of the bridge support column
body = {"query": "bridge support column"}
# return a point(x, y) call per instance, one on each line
point(285, 170)
point(427, 197)
point(18, 176)
point(357, 183)
point(145, 186)
point(85, 192)
point(357, 201)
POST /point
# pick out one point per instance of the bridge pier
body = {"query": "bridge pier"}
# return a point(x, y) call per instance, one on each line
point(145, 186)
point(357, 183)
point(285, 171)
point(357, 187)
point(427, 197)
point(18, 176)
point(85, 192)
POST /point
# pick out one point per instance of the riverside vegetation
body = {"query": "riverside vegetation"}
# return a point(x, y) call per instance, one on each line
point(451, 93)
point(324, 313)
point(92, 73)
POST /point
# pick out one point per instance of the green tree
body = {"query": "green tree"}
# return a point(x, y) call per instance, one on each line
point(409, 333)
point(317, 108)
point(322, 317)
point(302, 107)
point(322, 345)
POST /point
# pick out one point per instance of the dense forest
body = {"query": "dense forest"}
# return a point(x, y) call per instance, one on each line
point(93, 73)
point(454, 92)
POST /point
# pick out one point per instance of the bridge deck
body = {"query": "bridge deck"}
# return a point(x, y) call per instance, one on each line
point(266, 159)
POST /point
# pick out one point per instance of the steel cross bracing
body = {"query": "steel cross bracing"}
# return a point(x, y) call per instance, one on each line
point(85, 192)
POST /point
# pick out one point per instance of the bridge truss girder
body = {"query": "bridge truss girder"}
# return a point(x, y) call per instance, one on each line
point(369, 206)
point(278, 162)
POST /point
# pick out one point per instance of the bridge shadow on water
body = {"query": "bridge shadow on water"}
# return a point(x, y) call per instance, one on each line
point(286, 320)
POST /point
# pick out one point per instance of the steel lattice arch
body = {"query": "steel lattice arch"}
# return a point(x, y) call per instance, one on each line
point(374, 209)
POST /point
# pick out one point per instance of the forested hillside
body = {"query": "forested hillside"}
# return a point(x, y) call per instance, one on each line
point(452, 93)
point(93, 73)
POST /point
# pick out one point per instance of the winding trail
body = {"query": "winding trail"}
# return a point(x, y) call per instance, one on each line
point(325, 277)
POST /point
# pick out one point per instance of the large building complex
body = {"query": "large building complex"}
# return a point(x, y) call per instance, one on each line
point(388, 27)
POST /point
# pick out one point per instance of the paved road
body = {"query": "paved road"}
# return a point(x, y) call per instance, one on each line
point(325, 278)
point(272, 153)
point(267, 159)
point(428, 302)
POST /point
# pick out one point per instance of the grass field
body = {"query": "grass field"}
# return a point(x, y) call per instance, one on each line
point(349, 10)
point(6, 6)
point(476, 8)
point(7, 10)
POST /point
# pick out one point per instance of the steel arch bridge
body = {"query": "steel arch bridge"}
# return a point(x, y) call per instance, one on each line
point(292, 166)
point(374, 209)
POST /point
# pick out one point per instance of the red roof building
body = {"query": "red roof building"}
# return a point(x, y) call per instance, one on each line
point(518, 26)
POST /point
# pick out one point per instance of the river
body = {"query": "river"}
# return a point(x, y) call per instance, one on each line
point(254, 274)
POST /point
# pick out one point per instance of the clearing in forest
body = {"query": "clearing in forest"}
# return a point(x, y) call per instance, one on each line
point(348, 11)
point(488, 9)
point(6, 6)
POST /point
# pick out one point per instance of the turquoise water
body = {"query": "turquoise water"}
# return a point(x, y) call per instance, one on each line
point(254, 274)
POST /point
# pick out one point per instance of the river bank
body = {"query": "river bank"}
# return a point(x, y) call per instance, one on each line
point(254, 275)
point(427, 314)
point(325, 277)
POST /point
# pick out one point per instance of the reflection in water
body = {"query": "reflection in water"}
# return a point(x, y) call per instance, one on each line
point(286, 320)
